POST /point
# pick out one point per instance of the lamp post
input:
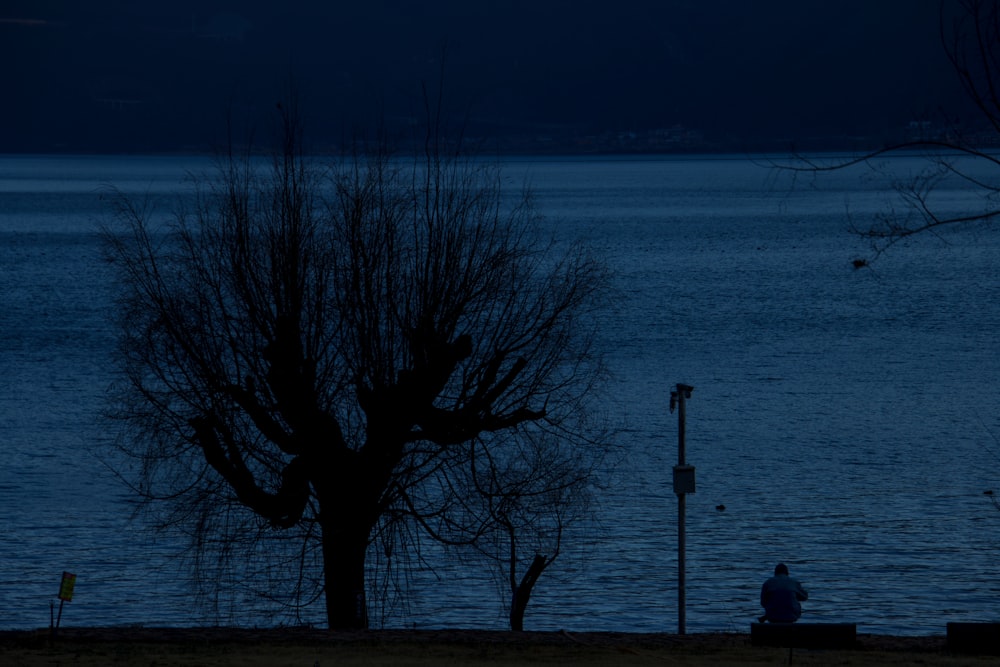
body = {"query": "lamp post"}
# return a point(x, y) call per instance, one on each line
point(683, 485)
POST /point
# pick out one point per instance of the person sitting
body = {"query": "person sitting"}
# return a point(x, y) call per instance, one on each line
point(780, 596)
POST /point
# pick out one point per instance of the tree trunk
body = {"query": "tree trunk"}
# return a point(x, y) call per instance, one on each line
point(344, 551)
point(523, 592)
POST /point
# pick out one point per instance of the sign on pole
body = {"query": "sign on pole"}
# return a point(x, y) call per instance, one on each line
point(66, 588)
point(65, 595)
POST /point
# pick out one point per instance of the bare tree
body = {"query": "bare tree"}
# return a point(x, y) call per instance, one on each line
point(320, 360)
point(515, 505)
point(970, 35)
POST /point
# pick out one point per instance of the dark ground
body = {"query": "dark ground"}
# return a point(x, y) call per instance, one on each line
point(8, 638)
point(294, 647)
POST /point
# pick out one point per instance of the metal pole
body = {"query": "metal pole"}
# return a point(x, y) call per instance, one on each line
point(683, 484)
point(681, 527)
point(58, 618)
point(680, 423)
point(681, 583)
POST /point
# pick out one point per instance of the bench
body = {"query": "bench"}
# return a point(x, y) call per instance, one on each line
point(804, 635)
point(974, 638)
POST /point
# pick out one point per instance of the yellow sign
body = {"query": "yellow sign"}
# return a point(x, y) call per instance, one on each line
point(66, 589)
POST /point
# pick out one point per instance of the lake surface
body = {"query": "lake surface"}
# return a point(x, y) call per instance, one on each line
point(848, 421)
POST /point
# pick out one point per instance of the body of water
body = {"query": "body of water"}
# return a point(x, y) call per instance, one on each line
point(847, 421)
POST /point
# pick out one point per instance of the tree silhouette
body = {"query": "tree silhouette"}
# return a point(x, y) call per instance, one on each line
point(970, 35)
point(324, 363)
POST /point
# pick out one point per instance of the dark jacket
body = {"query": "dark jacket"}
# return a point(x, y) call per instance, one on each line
point(780, 596)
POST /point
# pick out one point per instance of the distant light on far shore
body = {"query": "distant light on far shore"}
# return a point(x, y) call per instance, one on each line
point(24, 21)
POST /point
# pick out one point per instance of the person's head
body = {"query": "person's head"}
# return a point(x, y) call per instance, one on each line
point(780, 568)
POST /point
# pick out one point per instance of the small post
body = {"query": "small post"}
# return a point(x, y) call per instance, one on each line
point(65, 595)
point(684, 483)
point(55, 630)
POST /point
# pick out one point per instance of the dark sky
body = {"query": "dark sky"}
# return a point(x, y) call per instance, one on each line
point(115, 75)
